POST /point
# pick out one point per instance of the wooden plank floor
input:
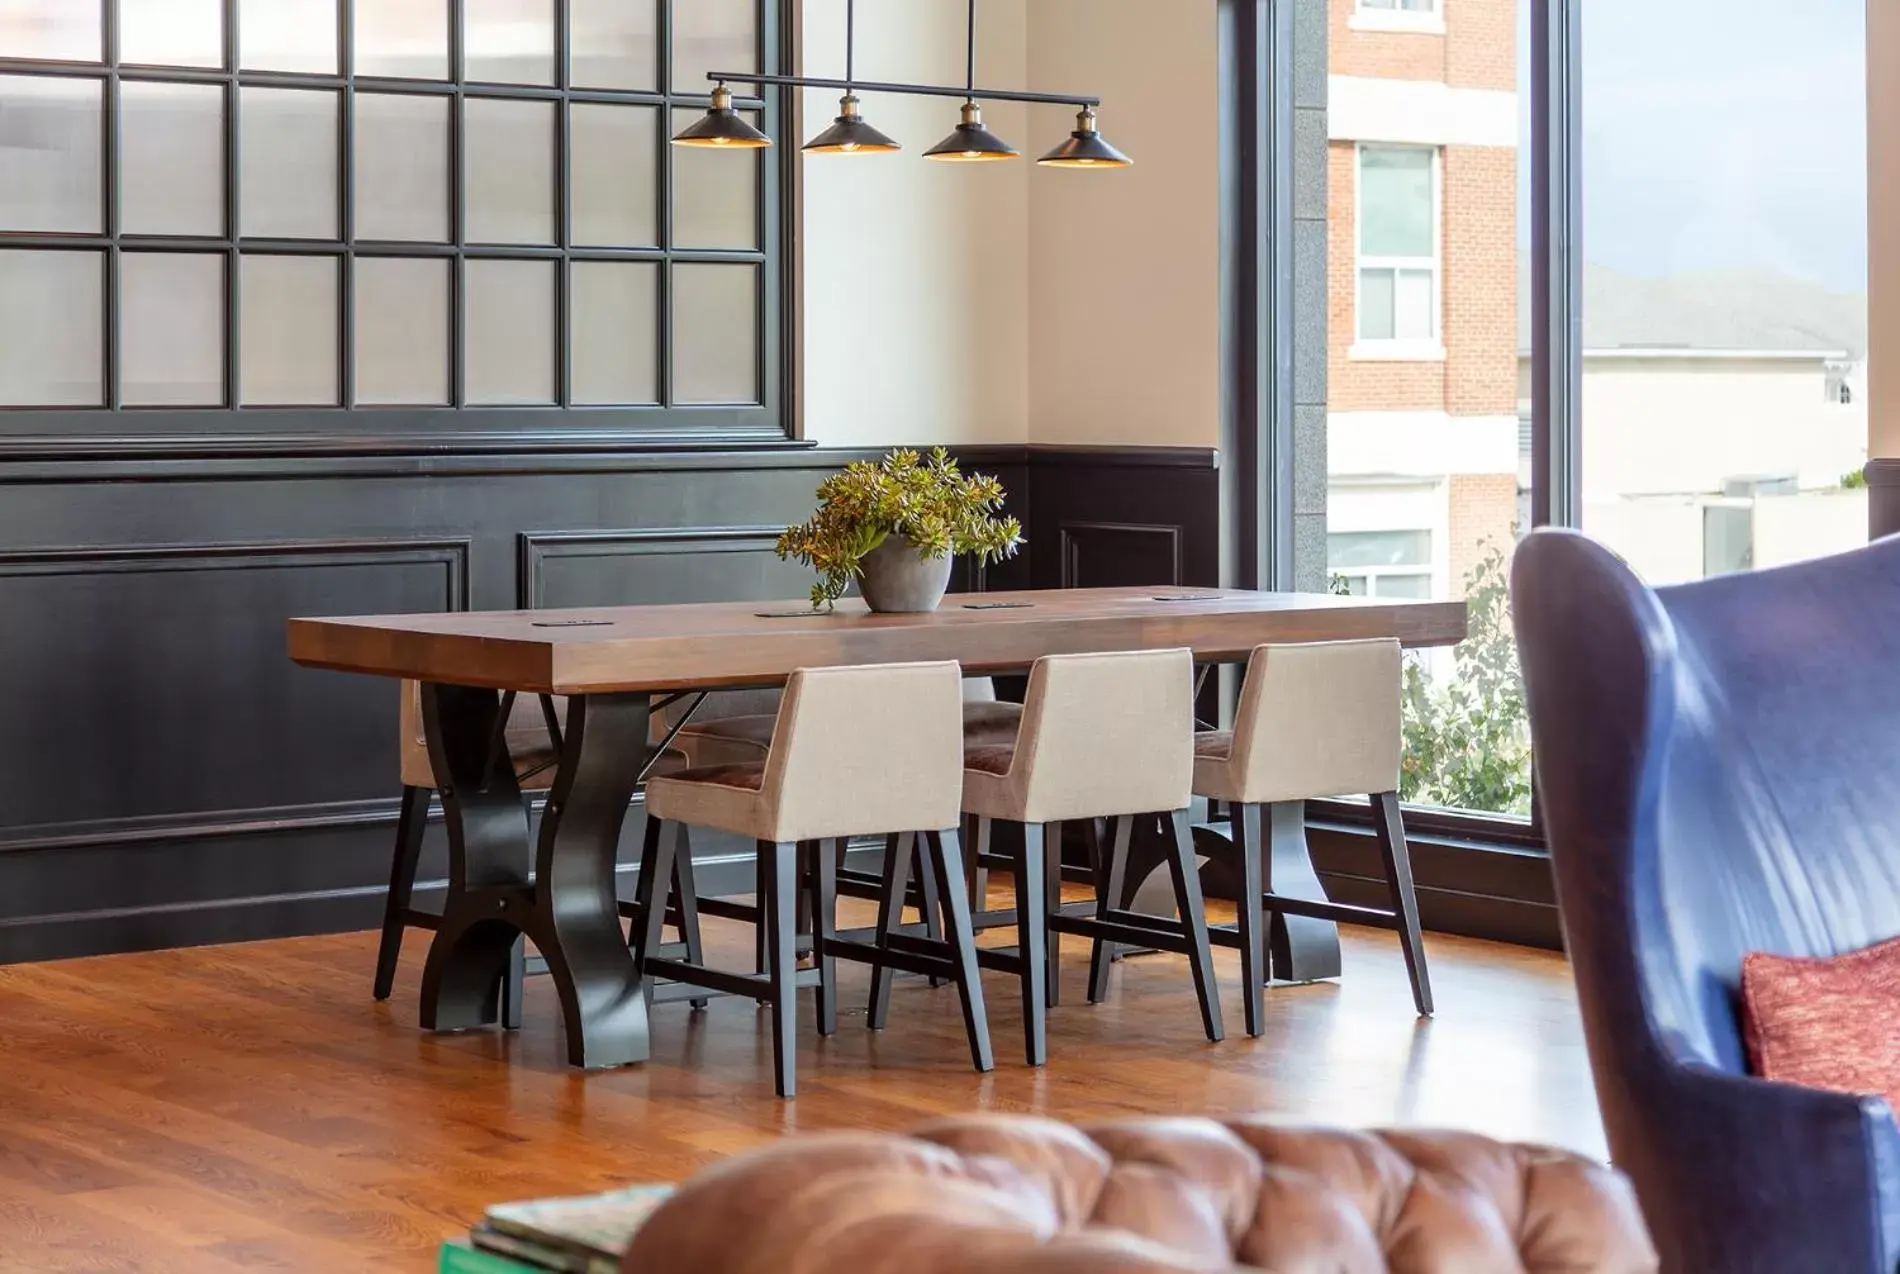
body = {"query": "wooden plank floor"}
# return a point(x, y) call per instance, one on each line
point(250, 1108)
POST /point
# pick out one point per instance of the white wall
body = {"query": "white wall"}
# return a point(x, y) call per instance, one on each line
point(998, 303)
point(914, 280)
point(1125, 265)
point(1666, 425)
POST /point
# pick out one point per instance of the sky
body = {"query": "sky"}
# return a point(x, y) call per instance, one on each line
point(1726, 134)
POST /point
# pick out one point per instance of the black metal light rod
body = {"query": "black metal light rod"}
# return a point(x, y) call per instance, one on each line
point(918, 90)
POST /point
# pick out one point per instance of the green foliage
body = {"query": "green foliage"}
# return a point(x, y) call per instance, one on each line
point(1467, 737)
point(928, 501)
point(1854, 480)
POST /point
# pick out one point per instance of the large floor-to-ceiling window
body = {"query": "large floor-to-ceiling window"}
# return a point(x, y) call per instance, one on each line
point(228, 205)
point(1724, 410)
point(1427, 443)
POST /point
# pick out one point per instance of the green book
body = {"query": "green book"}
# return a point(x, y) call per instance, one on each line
point(459, 1258)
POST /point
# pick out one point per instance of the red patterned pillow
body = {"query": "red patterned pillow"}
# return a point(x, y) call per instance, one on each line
point(1830, 1022)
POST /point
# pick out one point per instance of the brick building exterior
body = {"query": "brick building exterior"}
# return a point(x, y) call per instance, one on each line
point(1423, 289)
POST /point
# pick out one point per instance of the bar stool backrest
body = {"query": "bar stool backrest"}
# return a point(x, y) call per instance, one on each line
point(527, 728)
point(1318, 719)
point(867, 750)
point(1105, 735)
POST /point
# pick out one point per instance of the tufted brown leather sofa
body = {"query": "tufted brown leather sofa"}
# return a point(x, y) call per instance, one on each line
point(1008, 1195)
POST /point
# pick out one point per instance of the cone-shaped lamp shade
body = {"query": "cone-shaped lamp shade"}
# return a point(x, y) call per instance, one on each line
point(971, 143)
point(723, 127)
point(850, 135)
point(1085, 148)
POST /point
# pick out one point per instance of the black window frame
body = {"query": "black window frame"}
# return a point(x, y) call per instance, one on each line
point(238, 429)
point(1259, 145)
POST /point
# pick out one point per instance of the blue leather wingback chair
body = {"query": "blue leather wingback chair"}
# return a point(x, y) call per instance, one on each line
point(1719, 772)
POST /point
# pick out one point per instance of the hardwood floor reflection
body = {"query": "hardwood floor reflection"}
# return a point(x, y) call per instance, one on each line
point(250, 1107)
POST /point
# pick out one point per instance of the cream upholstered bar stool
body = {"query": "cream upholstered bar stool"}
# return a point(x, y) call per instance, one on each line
point(735, 726)
point(857, 751)
point(1104, 736)
point(1315, 720)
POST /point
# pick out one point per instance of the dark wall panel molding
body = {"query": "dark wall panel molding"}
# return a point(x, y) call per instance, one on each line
point(171, 778)
point(711, 563)
point(1883, 497)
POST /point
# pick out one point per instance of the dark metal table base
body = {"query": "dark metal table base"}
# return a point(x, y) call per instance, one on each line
point(568, 908)
point(1300, 948)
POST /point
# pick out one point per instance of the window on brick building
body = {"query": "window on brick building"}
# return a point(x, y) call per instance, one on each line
point(1382, 563)
point(1398, 6)
point(1398, 244)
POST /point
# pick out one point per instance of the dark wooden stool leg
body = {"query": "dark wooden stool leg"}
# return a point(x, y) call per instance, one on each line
point(686, 889)
point(1110, 878)
point(1031, 941)
point(1186, 870)
point(1398, 877)
point(659, 847)
point(411, 820)
point(1252, 916)
point(824, 901)
point(1052, 903)
point(976, 839)
point(946, 865)
point(761, 950)
point(930, 903)
point(890, 918)
point(781, 915)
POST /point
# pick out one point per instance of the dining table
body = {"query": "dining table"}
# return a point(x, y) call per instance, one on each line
point(612, 664)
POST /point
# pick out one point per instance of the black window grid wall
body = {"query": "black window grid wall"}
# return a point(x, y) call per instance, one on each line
point(562, 423)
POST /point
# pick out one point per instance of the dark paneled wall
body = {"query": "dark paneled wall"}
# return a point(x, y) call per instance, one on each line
point(171, 778)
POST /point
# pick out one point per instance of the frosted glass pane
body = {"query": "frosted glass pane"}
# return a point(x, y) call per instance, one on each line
point(402, 331)
point(614, 328)
point(402, 166)
point(171, 329)
point(1413, 306)
point(52, 329)
point(171, 158)
point(715, 192)
point(49, 154)
point(612, 43)
point(508, 154)
point(1395, 196)
point(509, 41)
point(287, 351)
point(64, 29)
point(614, 175)
point(508, 316)
point(715, 334)
point(1375, 305)
point(713, 35)
point(403, 37)
point(287, 167)
point(172, 32)
point(287, 35)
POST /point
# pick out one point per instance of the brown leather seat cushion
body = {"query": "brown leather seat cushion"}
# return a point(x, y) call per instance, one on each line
point(983, 722)
point(748, 776)
point(1213, 745)
point(1016, 1195)
point(989, 758)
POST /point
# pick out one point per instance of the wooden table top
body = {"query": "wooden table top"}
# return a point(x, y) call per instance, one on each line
point(652, 648)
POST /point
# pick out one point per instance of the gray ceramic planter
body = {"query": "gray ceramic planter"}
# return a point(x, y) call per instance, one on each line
point(898, 581)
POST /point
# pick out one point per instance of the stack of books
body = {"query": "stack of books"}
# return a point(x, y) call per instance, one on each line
point(586, 1235)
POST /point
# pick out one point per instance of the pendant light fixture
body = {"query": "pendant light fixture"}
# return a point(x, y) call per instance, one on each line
point(1085, 148)
point(971, 142)
point(722, 127)
point(849, 134)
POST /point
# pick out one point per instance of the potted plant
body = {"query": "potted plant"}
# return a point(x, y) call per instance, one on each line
point(895, 525)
